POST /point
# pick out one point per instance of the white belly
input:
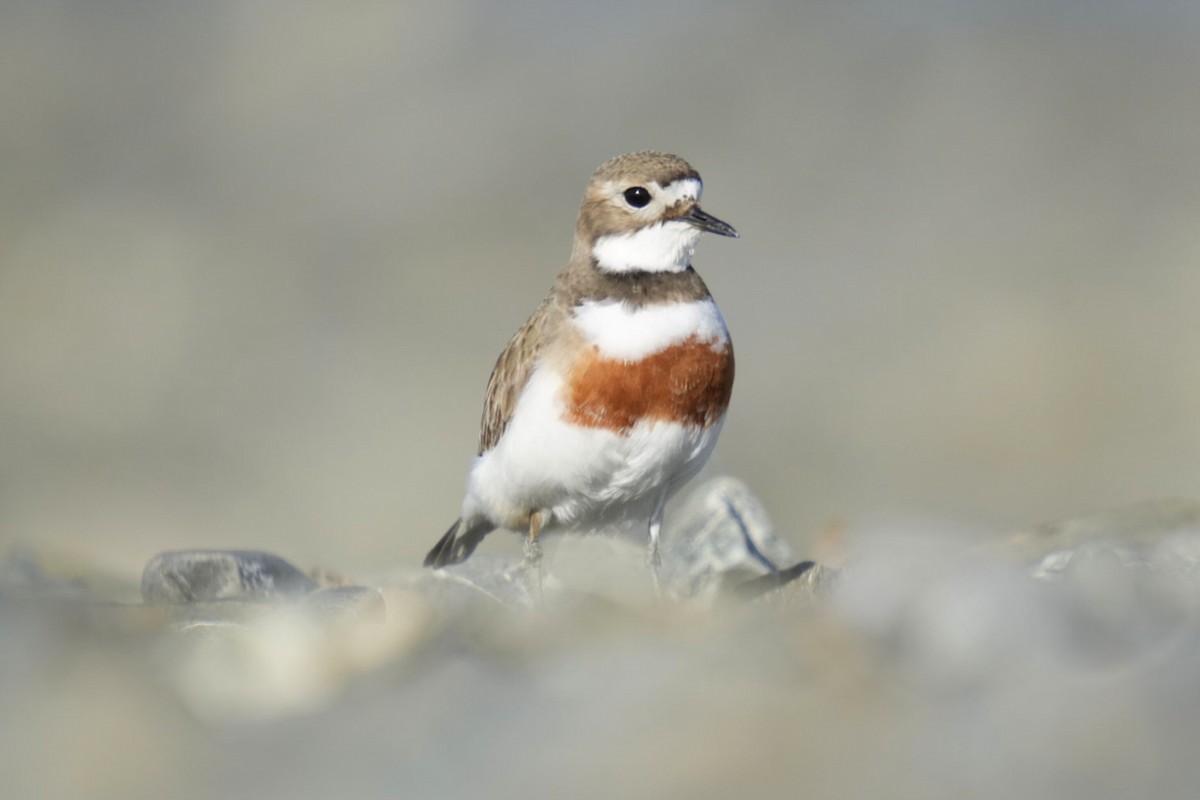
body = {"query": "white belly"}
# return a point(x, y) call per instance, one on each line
point(584, 477)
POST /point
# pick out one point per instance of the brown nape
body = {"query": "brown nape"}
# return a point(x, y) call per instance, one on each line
point(581, 282)
point(689, 383)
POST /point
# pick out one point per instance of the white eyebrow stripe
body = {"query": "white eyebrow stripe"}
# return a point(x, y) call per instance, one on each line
point(685, 188)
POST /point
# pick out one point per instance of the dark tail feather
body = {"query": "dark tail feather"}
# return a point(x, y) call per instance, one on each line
point(456, 544)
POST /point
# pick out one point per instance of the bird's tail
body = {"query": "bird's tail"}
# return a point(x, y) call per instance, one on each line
point(457, 543)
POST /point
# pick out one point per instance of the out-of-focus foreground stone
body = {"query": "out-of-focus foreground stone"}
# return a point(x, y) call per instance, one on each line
point(193, 575)
point(719, 539)
point(722, 538)
point(1059, 663)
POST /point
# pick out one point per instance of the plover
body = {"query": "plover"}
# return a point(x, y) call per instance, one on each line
point(612, 395)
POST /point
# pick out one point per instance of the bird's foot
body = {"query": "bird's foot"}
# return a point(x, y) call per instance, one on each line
point(532, 565)
point(654, 563)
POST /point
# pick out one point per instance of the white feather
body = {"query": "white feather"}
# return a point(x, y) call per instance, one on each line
point(662, 247)
point(584, 477)
point(685, 189)
point(630, 334)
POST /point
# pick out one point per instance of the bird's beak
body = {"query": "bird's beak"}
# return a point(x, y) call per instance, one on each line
point(707, 222)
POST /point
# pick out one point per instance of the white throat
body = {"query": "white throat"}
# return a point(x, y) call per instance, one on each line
point(662, 247)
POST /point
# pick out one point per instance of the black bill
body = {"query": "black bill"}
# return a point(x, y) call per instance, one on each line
point(707, 222)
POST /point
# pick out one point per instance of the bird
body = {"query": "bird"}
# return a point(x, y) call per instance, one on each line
point(612, 394)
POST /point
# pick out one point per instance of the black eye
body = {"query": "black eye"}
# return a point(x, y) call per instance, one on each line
point(637, 196)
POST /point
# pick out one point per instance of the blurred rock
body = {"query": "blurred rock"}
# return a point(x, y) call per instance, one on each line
point(480, 579)
point(231, 610)
point(45, 574)
point(796, 584)
point(346, 602)
point(719, 538)
point(1062, 677)
point(605, 567)
point(293, 658)
point(196, 575)
point(23, 574)
point(1175, 560)
point(228, 671)
point(200, 588)
point(923, 646)
point(1128, 577)
point(322, 606)
point(1130, 529)
point(326, 577)
point(88, 718)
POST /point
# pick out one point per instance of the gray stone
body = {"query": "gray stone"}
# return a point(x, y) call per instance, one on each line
point(1132, 529)
point(358, 603)
point(23, 574)
point(718, 540)
point(483, 579)
point(1126, 578)
point(190, 576)
point(200, 633)
point(721, 537)
point(36, 573)
point(232, 610)
point(797, 583)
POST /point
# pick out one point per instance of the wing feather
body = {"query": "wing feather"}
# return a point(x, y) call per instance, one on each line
point(511, 374)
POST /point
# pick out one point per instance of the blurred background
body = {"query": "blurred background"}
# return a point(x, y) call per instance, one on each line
point(257, 259)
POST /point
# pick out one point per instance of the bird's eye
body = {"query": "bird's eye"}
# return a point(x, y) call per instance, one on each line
point(637, 196)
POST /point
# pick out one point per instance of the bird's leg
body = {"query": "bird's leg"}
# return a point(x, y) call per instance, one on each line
point(653, 559)
point(533, 551)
